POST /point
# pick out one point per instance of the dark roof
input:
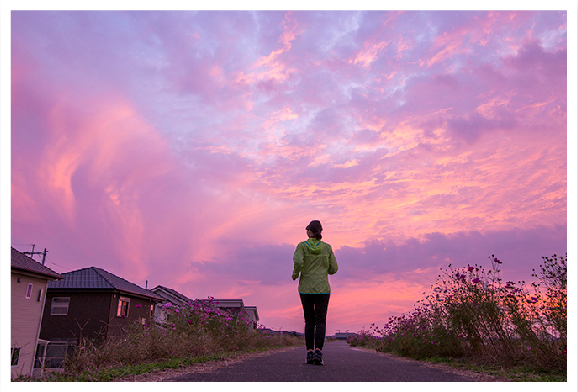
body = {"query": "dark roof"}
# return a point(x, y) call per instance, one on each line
point(219, 302)
point(22, 262)
point(94, 278)
point(170, 294)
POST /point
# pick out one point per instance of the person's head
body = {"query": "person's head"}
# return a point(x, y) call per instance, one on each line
point(314, 229)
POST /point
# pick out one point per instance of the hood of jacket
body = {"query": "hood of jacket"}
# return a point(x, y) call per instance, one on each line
point(315, 246)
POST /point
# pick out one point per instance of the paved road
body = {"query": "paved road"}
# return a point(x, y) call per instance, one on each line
point(342, 364)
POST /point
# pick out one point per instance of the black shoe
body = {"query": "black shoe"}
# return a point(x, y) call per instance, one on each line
point(310, 357)
point(318, 357)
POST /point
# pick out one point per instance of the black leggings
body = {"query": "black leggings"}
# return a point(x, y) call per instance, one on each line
point(315, 312)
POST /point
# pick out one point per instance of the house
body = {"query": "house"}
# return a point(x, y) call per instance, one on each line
point(28, 295)
point(252, 313)
point(94, 304)
point(238, 306)
point(168, 295)
point(171, 295)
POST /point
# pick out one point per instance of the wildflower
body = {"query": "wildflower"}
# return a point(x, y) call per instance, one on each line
point(497, 261)
point(190, 322)
point(476, 280)
point(470, 269)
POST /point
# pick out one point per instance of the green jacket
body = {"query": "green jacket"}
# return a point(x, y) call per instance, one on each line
point(312, 261)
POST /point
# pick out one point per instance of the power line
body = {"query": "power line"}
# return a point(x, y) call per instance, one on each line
point(52, 262)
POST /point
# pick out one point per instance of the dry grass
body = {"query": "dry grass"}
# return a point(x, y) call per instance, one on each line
point(196, 334)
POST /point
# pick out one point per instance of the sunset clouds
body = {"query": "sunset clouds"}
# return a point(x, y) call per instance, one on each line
point(191, 149)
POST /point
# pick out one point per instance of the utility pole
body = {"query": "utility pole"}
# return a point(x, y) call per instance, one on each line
point(37, 253)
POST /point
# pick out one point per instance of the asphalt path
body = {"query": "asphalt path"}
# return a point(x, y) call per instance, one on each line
point(343, 363)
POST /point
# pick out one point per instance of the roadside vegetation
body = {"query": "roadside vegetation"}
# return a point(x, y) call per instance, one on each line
point(472, 319)
point(196, 333)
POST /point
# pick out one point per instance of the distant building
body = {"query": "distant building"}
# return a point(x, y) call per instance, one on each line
point(171, 296)
point(344, 335)
point(288, 333)
point(252, 314)
point(28, 295)
point(237, 306)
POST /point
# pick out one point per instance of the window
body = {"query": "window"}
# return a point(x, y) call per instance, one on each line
point(15, 356)
point(52, 355)
point(122, 310)
point(40, 355)
point(60, 306)
point(29, 291)
point(56, 353)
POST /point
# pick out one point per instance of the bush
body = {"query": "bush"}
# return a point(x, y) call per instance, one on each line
point(471, 312)
point(194, 330)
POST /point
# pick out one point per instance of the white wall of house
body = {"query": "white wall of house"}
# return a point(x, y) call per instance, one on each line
point(252, 314)
point(26, 316)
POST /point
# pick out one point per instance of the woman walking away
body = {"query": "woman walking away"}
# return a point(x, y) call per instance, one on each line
point(313, 261)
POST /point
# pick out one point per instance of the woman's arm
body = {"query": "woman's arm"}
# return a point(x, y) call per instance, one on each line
point(332, 263)
point(297, 261)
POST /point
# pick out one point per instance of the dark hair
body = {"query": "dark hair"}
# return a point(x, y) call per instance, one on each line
point(316, 229)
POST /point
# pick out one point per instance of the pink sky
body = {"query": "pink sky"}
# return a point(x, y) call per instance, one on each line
point(191, 149)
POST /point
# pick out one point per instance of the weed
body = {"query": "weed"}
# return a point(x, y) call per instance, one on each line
point(471, 313)
point(197, 332)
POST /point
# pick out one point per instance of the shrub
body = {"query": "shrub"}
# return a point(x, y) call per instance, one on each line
point(197, 329)
point(471, 312)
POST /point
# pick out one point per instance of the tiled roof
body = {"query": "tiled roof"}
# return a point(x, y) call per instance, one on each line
point(21, 261)
point(98, 279)
point(170, 294)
